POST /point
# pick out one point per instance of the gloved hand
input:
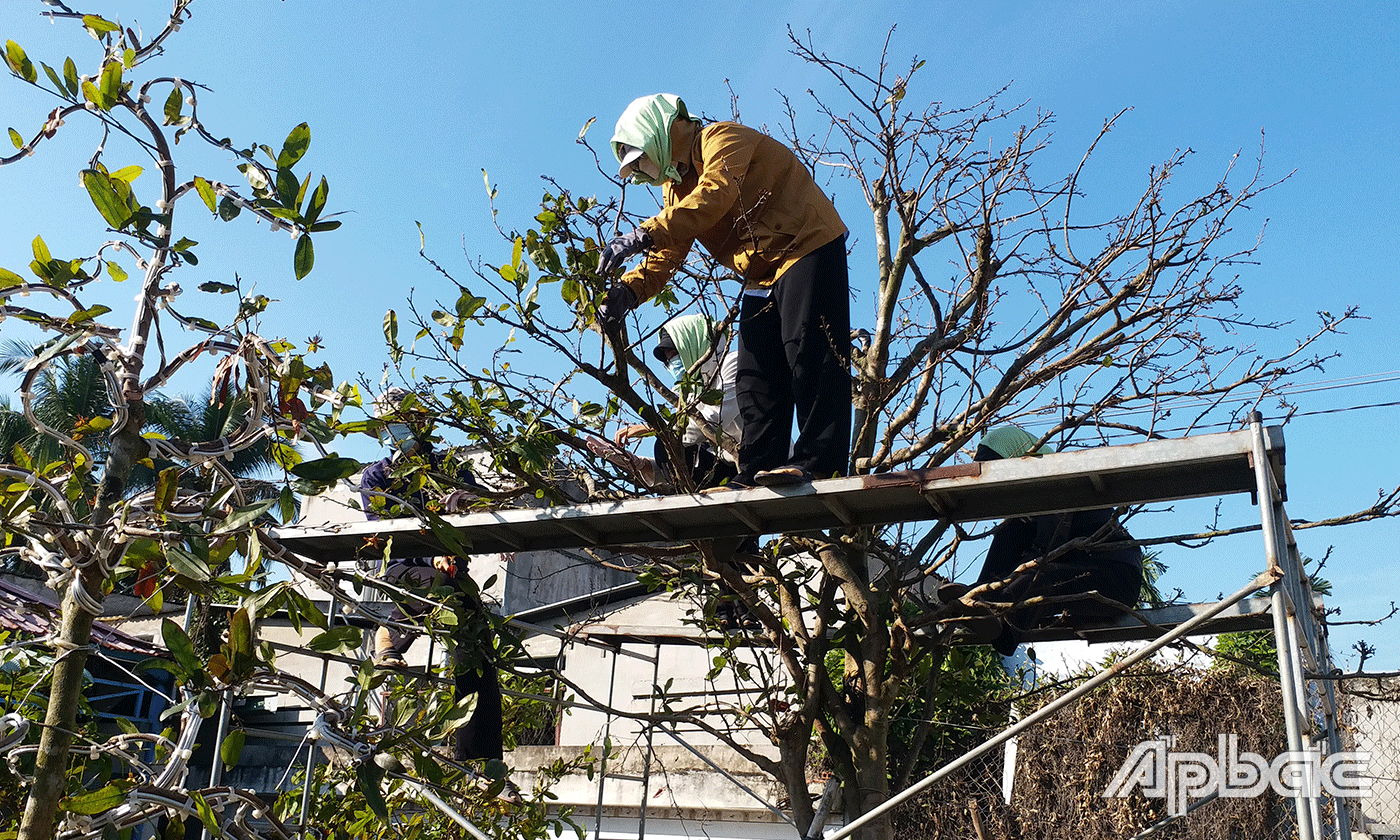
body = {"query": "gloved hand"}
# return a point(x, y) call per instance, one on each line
point(621, 249)
point(620, 300)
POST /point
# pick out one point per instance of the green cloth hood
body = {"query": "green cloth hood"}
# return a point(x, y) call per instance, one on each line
point(646, 125)
point(1010, 441)
point(691, 335)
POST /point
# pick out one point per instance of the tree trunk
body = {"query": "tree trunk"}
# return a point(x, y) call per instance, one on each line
point(51, 763)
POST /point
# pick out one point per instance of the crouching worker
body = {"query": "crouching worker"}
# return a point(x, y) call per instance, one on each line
point(689, 348)
point(754, 206)
point(1112, 571)
point(385, 488)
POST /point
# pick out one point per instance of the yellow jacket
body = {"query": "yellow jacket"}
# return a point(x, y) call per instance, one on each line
point(747, 198)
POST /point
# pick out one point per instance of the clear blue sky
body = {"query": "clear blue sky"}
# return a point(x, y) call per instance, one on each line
point(409, 102)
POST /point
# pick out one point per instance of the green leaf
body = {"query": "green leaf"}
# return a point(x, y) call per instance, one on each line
point(243, 516)
point(186, 564)
point(287, 505)
point(70, 76)
point(167, 482)
point(127, 174)
point(367, 777)
point(232, 747)
point(240, 632)
point(215, 286)
point(183, 245)
point(16, 139)
point(317, 202)
point(41, 250)
point(104, 196)
point(92, 94)
point(89, 314)
point(95, 802)
point(206, 192)
point(391, 335)
point(180, 647)
point(326, 469)
point(55, 78)
point(295, 146)
point(117, 273)
point(305, 256)
point(173, 104)
point(324, 226)
point(111, 84)
point(206, 815)
point(342, 638)
point(9, 278)
point(19, 62)
point(99, 24)
point(287, 187)
point(229, 209)
point(285, 456)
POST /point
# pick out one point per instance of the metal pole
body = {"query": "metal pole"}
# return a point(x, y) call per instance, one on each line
point(1183, 629)
point(646, 766)
point(1289, 664)
point(607, 746)
point(311, 751)
point(216, 770)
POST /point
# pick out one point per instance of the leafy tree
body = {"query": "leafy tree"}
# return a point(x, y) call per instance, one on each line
point(69, 502)
point(1001, 294)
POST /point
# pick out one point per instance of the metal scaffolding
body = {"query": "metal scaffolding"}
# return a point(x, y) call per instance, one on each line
point(1246, 461)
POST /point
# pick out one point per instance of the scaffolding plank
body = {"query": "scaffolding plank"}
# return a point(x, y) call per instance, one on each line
point(1153, 471)
point(1249, 614)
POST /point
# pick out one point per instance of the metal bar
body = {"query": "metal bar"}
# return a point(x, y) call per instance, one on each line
point(662, 529)
point(437, 802)
point(746, 516)
point(583, 532)
point(1166, 821)
point(607, 747)
point(216, 769)
point(838, 507)
point(1288, 664)
point(1052, 707)
point(646, 767)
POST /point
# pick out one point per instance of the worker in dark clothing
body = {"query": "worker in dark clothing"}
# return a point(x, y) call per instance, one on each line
point(1113, 573)
point(384, 493)
point(755, 207)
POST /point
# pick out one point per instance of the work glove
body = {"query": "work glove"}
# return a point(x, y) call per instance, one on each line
point(620, 300)
point(621, 249)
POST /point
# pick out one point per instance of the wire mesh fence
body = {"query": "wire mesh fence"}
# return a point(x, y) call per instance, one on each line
point(1370, 715)
point(1052, 781)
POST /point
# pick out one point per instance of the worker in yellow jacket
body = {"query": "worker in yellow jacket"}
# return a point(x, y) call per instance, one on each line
point(755, 207)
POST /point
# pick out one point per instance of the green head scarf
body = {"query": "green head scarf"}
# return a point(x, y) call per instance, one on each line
point(646, 125)
point(691, 335)
point(1011, 442)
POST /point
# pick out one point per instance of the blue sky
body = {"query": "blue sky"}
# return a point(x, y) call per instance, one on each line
point(408, 103)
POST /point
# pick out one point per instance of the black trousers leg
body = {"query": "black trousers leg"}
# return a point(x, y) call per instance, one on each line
point(794, 358)
point(480, 736)
point(763, 389)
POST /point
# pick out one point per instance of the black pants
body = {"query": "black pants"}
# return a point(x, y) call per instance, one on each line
point(794, 356)
point(480, 736)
